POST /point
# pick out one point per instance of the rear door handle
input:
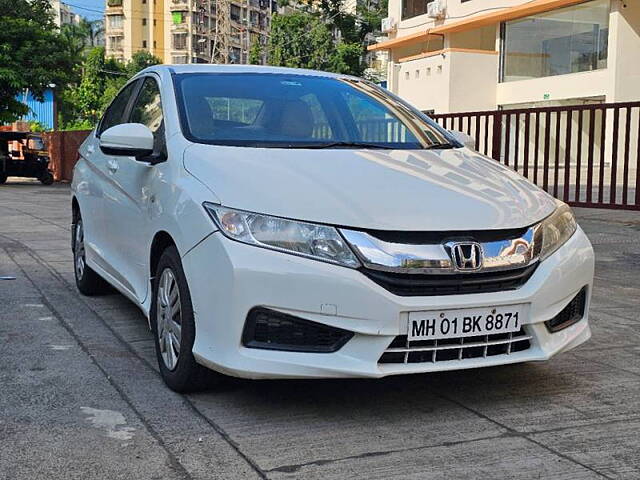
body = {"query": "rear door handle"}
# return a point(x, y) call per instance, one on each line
point(112, 166)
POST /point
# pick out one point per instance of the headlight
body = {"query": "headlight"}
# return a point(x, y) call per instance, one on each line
point(555, 230)
point(319, 242)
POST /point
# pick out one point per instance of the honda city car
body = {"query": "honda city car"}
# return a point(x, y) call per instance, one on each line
point(284, 223)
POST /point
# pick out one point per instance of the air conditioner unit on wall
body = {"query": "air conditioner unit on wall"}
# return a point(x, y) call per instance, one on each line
point(388, 25)
point(436, 9)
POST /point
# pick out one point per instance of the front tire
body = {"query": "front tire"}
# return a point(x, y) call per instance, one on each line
point(3, 178)
point(173, 325)
point(87, 280)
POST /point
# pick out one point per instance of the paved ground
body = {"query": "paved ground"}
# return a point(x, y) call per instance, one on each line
point(80, 396)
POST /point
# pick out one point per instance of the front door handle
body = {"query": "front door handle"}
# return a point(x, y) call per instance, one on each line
point(112, 166)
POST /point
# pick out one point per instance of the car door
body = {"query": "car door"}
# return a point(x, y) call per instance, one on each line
point(127, 210)
point(97, 186)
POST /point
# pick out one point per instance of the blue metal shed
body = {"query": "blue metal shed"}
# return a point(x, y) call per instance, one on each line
point(43, 112)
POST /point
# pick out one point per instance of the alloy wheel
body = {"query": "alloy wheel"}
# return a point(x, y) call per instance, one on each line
point(79, 252)
point(169, 318)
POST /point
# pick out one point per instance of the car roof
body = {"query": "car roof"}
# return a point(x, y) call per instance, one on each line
point(212, 68)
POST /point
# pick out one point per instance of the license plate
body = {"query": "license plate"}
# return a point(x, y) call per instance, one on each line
point(466, 322)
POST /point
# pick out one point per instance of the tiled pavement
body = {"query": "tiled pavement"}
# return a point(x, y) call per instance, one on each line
point(80, 396)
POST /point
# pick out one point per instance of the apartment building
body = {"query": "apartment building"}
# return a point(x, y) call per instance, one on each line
point(183, 31)
point(469, 55)
point(63, 15)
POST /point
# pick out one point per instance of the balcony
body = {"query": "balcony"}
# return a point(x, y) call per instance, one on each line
point(179, 5)
point(114, 3)
point(179, 27)
point(440, 81)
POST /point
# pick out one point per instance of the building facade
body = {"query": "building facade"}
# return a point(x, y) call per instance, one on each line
point(63, 15)
point(183, 31)
point(470, 55)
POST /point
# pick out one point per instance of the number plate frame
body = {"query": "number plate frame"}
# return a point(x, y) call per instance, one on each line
point(466, 322)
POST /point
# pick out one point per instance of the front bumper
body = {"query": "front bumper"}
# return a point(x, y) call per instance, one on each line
point(227, 279)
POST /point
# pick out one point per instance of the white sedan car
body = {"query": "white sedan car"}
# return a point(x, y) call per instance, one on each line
point(282, 223)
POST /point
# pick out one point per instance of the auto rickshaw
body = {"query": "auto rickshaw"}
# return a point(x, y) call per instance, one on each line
point(30, 160)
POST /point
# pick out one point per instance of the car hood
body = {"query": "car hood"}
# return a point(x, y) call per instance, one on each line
point(410, 190)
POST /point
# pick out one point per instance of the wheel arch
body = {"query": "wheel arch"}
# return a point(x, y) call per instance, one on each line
point(161, 241)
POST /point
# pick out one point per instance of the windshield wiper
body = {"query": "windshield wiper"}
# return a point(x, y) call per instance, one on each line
point(341, 144)
point(440, 146)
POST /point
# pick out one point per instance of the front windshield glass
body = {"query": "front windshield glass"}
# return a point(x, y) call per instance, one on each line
point(297, 111)
point(36, 143)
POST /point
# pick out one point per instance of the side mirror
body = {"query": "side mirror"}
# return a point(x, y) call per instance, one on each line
point(128, 140)
point(467, 140)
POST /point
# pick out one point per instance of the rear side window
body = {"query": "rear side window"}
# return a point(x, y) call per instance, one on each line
point(115, 112)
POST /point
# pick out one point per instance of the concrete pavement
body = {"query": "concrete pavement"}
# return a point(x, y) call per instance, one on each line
point(80, 396)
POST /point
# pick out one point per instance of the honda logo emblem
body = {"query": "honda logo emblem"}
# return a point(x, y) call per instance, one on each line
point(466, 255)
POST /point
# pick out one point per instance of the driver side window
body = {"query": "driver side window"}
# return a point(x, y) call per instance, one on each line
point(147, 108)
point(115, 112)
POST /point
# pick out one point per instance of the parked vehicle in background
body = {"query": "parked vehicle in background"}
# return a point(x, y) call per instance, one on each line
point(282, 223)
point(30, 158)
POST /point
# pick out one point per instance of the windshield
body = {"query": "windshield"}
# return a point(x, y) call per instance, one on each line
point(280, 110)
point(36, 143)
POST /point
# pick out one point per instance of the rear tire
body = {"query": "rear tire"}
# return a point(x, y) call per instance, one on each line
point(87, 280)
point(3, 178)
point(46, 178)
point(173, 326)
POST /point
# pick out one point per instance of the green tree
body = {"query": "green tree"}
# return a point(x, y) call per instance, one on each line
point(100, 80)
point(370, 13)
point(33, 55)
point(139, 61)
point(299, 40)
point(75, 39)
point(347, 58)
point(255, 53)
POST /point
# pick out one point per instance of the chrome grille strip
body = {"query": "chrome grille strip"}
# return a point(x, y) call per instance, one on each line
point(435, 258)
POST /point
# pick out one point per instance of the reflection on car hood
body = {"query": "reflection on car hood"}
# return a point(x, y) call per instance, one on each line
point(411, 190)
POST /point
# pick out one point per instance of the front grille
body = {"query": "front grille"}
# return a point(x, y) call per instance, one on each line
point(570, 314)
point(455, 349)
point(412, 285)
point(271, 330)
point(422, 238)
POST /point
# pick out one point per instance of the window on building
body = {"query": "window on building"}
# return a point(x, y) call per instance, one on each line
point(178, 17)
point(154, 22)
point(566, 40)
point(413, 8)
point(235, 13)
point(115, 43)
point(144, 44)
point(115, 21)
point(144, 21)
point(179, 59)
point(179, 41)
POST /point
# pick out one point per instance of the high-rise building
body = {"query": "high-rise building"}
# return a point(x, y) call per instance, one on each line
point(184, 31)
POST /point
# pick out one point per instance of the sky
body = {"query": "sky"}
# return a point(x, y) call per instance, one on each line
point(91, 9)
